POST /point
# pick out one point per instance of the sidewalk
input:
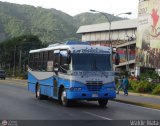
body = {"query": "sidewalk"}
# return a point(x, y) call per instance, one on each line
point(140, 99)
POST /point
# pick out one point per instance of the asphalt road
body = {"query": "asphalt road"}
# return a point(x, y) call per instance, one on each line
point(16, 103)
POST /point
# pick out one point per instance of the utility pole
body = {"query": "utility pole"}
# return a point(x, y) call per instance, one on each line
point(14, 65)
point(20, 58)
point(109, 27)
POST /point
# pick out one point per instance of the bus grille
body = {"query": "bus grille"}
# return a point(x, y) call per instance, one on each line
point(94, 85)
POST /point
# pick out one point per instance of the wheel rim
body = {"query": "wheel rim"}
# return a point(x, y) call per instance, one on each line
point(38, 91)
point(63, 97)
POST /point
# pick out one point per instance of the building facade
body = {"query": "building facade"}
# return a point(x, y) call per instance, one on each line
point(121, 34)
point(137, 40)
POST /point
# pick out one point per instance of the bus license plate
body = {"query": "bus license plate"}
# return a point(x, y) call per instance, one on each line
point(94, 95)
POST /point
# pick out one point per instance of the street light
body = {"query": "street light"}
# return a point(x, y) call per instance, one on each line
point(109, 20)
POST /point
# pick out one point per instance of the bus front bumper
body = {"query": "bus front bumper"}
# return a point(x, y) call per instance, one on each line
point(90, 95)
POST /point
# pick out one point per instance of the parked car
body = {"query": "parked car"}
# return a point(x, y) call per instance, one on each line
point(2, 74)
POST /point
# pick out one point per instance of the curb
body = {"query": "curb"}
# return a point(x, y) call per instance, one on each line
point(148, 105)
point(17, 79)
point(142, 94)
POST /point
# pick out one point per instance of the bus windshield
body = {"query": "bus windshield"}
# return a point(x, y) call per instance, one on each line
point(91, 62)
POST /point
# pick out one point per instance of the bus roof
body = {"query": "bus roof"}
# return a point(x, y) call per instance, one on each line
point(75, 47)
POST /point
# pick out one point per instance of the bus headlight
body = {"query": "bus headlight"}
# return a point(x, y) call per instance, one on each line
point(110, 89)
point(75, 88)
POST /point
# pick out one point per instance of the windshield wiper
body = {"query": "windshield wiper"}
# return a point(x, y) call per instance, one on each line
point(97, 68)
point(102, 71)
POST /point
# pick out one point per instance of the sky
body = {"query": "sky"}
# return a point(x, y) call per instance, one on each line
point(74, 7)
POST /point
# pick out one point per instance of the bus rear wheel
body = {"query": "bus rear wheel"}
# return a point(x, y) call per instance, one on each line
point(103, 102)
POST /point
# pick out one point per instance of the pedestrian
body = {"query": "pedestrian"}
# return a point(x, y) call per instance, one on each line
point(125, 85)
point(120, 81)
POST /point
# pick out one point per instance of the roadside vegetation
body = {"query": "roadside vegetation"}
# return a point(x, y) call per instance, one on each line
point(144, 87)
point(14, 54)
point(149, 82)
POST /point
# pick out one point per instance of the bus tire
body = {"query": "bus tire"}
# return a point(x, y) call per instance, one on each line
point(65, 102)
point(103, 102)
point(38, 92)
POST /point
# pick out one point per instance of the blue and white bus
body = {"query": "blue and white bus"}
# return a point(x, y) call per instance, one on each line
point(72, 71)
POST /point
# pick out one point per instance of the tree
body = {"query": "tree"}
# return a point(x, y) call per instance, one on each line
point(15, 51)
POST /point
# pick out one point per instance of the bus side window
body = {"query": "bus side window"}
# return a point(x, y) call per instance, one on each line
point(39, 62)
point(45, 59)
point(42, 62)
point(50, 55)
point(35, 64)
point(50, 61)
point(31, 60)
point(56, 59)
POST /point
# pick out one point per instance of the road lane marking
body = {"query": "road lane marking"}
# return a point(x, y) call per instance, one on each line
point(102, 117)
point(138, 106)
point(144, 107)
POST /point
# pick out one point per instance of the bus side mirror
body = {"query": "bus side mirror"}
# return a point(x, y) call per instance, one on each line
point(114, 50)
point(117, 59)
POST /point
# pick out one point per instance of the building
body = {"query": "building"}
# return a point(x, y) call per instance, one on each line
point(137, 40)
point(122, 35)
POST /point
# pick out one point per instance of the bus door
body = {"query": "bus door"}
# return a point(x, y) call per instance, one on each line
point(56, 59)
point(61, 66)
point(55, 86)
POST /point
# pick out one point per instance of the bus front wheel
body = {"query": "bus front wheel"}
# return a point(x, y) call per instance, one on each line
point(103, 102)
point(38, 92)
point(65, 102)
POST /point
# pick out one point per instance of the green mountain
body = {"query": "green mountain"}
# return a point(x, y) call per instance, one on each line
point(50, 25)
point(93, 18)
